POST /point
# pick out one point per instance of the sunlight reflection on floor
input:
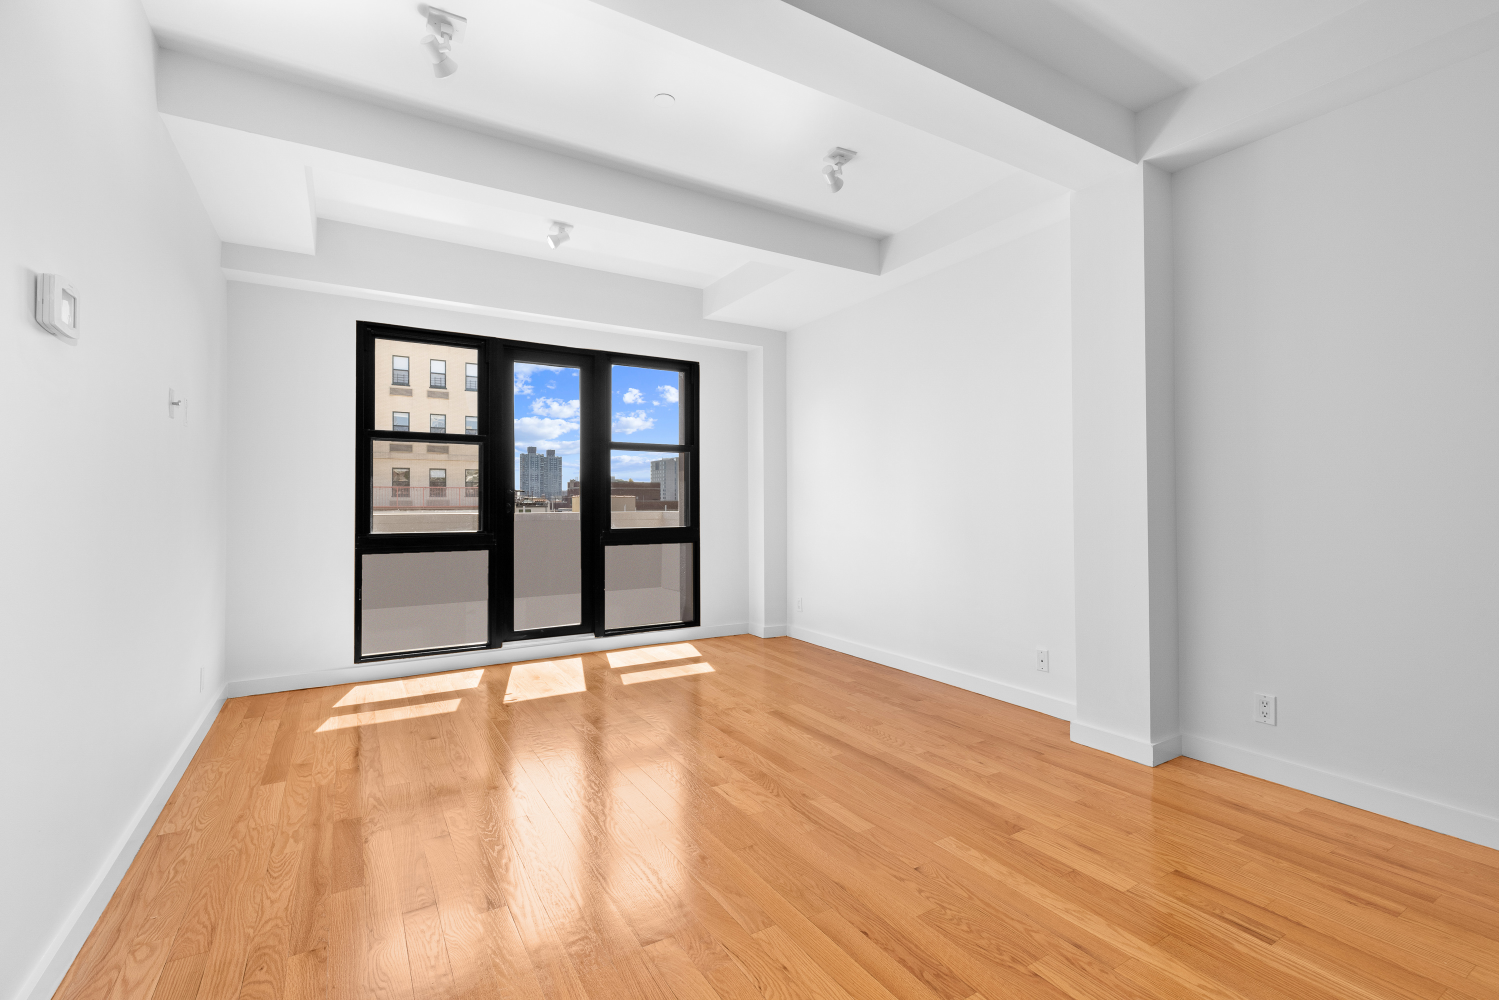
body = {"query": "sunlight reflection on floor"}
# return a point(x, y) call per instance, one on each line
point(388, 715)
point(663, 673)
point(411, 687)
point(652, 654)
point(546, 679)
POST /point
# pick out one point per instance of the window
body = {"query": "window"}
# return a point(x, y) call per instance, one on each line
point(576, 511)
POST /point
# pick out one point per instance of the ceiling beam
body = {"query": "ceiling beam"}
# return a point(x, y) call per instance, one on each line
point(918, 65)
point(200, 90)
point(375, 264)
point(1376, 45)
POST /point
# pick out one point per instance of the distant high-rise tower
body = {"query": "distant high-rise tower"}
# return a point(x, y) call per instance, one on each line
point(540, 475)
point(664, 471)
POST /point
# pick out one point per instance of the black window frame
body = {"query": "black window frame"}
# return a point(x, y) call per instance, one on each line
point(497, 473)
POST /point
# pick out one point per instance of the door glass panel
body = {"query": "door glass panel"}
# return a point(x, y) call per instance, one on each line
point(647, 585)
point(423, 600)
point(645, 405)
point(548, 497)
point(412, 386)
point(423, 486)
point(647, 489)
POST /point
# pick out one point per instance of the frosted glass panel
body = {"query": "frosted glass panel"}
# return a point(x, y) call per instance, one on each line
point(423, 600)
point(647, 585)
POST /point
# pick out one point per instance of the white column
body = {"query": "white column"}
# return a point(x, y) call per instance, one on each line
point(767, 488)
point(1123, 477)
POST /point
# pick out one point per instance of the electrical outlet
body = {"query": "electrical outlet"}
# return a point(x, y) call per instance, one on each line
point(799, 605)
point(1264, 709)
point(1043, 660)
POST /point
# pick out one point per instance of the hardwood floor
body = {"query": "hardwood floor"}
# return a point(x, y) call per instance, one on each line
point(740, 818)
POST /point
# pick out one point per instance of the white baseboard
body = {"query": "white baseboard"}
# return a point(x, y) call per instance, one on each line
point(511, 652)
point(1139, 751)
point(767, 631)
point(1034, 700)
point(55, 960)
point(1437, 816)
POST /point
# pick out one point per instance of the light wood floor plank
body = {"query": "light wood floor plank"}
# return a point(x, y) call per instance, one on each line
point(773, 820)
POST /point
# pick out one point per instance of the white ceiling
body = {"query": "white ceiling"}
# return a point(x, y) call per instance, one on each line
point(577, 75)
point(1137, 52)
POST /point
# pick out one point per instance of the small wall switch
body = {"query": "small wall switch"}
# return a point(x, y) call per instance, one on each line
point(1264, 709)
point(1043, 660)
point(799, 605)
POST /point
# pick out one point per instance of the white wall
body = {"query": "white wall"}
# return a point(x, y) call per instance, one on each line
point(1338, 452)
point(112, 594)
point(291, 579)
point(930, 475)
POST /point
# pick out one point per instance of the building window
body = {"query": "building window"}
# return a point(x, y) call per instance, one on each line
point(566, 507)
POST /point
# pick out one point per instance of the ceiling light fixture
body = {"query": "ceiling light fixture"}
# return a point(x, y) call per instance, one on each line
point(833, 172)
point(445, 28)
point(561, 232)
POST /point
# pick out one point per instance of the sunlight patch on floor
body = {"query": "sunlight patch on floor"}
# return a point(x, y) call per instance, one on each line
point(411, 687)
point(545, 679)
point(663, 673)
point(652, 654)
point(380, 715)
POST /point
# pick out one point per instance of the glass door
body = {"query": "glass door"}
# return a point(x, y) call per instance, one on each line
point(546, 488)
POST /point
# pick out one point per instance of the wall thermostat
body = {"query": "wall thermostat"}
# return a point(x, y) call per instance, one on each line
point(57, 306)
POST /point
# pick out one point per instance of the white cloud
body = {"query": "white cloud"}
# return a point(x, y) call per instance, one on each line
point(560, 447)
point(562, 409)
point(634, 396)
point(543, 428)
point(629, 423)
point(627, 461)
point(655, 402)
point(523, 373)
point(669, 393)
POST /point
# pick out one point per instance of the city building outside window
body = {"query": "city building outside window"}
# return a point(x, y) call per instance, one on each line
point(437, 481)
point(400, 421)
point(470, 482)
point(470, 425)
point(400, 371)
point(438, 423)
point(439, 374)
point(471, 377)
point(400, 482)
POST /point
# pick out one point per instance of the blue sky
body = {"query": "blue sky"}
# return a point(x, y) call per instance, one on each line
point(645, 408)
